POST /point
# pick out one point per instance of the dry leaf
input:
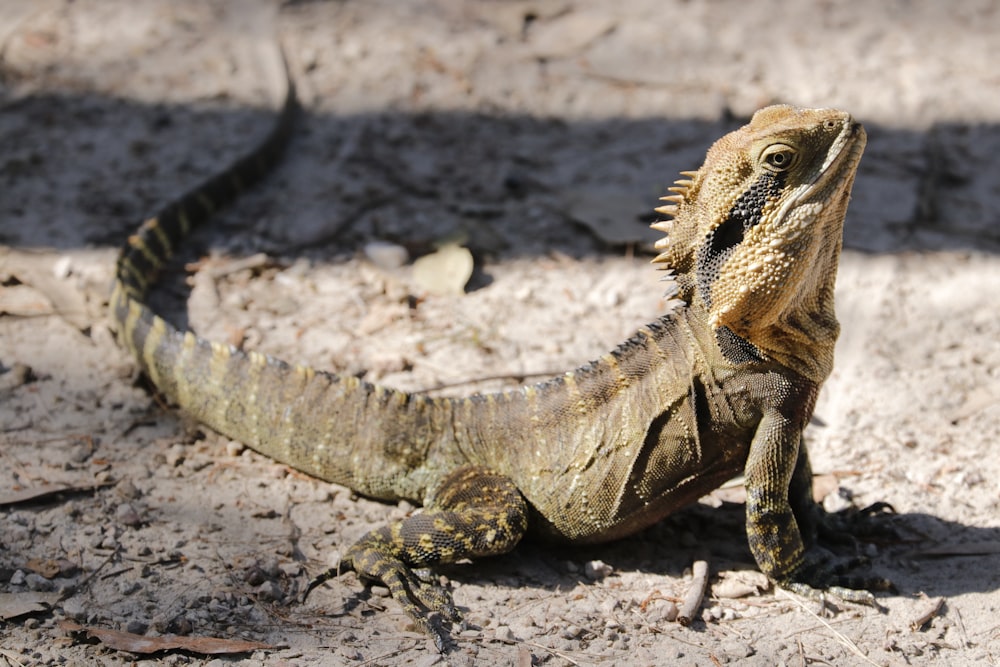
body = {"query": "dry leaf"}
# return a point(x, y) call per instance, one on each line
point(33, 493)
point(48, 568)
point(23, 301)
point(13, 605)
point(126, 641)
point(444, 272)
point(38, 492)
point(740, 584)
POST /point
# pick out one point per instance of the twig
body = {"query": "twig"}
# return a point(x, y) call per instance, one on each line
point(692, 601)
point(961, 626)
point(851, 646)
point(12, 657)
point(932, 610)
point(558, 654)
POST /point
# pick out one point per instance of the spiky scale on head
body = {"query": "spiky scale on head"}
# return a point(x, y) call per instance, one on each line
point(756, 232)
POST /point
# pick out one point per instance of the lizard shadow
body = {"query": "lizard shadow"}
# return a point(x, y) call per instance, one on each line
point(919, 552)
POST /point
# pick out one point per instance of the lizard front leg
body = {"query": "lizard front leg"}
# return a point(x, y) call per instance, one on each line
point(782, 518)
point(474, 511)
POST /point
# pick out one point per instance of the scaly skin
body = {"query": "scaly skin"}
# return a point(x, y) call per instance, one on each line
point(722, 386)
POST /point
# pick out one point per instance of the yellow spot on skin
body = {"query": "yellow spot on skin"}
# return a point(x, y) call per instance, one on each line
point(134, 311)
point(157, 331)
point(137, 242)
point(153, 224)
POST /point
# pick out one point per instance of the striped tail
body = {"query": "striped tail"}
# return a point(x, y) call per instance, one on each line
point(372, 439)
point(149, 249)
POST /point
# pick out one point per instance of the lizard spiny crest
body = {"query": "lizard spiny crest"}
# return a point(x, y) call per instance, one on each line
point(756, 232)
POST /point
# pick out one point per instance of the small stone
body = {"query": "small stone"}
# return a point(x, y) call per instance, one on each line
point(136, 627)
point(270, 591)
point(62, 267)
point(79, 452)
point(255, 576)
point(127, 490)
point(291, 569)
point(837, 502)
point(37, 582)
point(17, 579)
point(386, 256)
point(180, 626)
point(661, 613)
point(504, 634)
point(597, 569)
point(128, 586)
point(234, 448)
point(75, 609)
point(127, 515)
point(271, 568)
point(571, 632)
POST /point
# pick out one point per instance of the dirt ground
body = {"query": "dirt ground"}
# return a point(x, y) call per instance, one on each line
point(539, 134)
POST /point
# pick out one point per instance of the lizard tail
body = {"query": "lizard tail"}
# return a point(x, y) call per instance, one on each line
point(323, 424)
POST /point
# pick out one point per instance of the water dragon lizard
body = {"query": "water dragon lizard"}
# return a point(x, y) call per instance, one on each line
point(720, 387)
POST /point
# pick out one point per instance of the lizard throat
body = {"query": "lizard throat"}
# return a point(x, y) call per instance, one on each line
point(720, 243)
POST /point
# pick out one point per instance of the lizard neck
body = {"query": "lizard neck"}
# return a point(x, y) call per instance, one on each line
point(802, 339)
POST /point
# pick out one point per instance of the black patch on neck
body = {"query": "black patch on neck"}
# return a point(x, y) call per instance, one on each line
point(744, 215)
point(737, 350)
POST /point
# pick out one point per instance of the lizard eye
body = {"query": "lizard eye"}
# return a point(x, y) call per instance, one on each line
point(779, 157)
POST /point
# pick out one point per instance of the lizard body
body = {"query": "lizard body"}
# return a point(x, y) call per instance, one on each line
point(721, 386)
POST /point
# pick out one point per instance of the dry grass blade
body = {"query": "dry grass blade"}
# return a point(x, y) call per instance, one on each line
point(840, 637)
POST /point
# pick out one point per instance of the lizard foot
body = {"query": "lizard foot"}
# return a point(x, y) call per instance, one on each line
point(418, 598)
point(473, 512)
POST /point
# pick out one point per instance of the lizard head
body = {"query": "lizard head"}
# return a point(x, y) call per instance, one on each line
point(756, 232)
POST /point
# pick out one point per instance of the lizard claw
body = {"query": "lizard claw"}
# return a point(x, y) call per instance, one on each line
point(419, 598)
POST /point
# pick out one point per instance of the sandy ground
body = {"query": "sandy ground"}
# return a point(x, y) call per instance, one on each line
point(541, 134)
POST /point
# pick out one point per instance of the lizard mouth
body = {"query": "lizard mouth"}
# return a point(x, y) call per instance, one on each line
point(840, 165)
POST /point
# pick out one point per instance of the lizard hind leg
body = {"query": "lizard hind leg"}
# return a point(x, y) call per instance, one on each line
point(474, 511)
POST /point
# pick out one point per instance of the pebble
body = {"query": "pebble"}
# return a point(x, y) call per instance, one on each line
point(270, 591)
point(37, 582)
point(127, 515)
point(386, 256)
point(136, 627)
point(571, 632)
point(597, 569)
point(75, 609)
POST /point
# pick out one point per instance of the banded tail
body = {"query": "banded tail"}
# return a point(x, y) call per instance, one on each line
point(320, 423)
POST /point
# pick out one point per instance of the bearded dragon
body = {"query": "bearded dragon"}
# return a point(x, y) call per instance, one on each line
point(720, 387)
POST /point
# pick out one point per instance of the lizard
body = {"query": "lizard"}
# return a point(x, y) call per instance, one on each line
point(720, 386)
